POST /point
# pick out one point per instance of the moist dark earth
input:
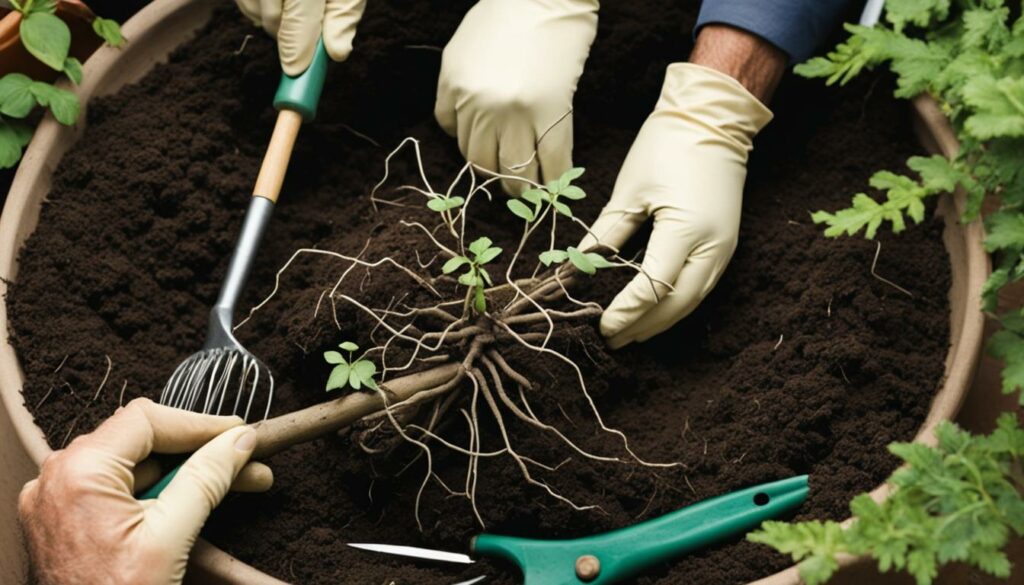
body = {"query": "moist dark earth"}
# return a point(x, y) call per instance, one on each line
point(798, 362)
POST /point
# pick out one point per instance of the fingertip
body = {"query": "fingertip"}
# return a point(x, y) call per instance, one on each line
point(255, 477)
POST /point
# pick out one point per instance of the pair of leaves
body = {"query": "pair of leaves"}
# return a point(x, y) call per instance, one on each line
point(957, 501)
point(354, 373)
point(441, 203)
point(550, 193)
point(483, 253)
point(19, 94)
point(586, 262)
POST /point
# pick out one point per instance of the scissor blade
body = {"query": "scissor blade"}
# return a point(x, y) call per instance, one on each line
point(472, 581)
point(412, 551)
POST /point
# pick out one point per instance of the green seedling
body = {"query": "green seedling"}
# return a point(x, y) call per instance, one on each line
point(441, 203)
point(476, 276)
point(352, 372)
point(586, 262)
point(47, 38)
point(554, 194)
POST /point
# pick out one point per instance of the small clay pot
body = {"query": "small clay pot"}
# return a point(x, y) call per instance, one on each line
point(14, 58)
point(163, 26)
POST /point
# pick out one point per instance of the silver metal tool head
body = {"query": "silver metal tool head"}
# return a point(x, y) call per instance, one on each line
point(205, 381)
point(416, 552)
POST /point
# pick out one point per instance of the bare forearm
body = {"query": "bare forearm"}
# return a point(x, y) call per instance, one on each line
point(757, 64)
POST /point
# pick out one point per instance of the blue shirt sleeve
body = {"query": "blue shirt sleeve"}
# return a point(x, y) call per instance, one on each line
point(795, 26)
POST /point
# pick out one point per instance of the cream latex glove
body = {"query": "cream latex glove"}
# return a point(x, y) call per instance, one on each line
point(507, 79)
point(81, 521)
point(298, 24)
point(686, 169)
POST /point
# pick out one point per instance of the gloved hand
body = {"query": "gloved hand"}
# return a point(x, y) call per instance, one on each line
point(81, 521)
point(298, 24)
point(686, 168)
point(507, 79)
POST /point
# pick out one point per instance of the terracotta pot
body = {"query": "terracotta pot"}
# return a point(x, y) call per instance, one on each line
point(165, 24)
point(15, 59)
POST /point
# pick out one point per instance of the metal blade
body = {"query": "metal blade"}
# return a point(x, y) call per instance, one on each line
point(412, 551)
point(471, 581)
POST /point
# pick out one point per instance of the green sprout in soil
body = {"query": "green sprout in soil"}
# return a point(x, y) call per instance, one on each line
point(962, 499)
point(476, 276)
point(352, 372)
point(470, 314)
point(47, 38)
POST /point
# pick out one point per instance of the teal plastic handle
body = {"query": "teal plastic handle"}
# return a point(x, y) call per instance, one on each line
point(302, 92)
point(628, 551)
point(154, 491)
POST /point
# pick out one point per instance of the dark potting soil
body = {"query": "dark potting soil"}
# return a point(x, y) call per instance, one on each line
point(799, 361)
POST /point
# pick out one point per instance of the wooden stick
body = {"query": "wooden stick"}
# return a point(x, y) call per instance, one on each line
point(279, 152)
point(279, 433)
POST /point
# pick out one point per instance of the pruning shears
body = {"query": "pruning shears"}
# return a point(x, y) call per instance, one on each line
point(613, 556)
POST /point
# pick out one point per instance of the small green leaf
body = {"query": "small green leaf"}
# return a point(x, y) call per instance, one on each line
point(338, 378)
point(580, 261)
point(553, 257)
point(484, 277)
point(354, 380)
point(521, 210)
point(348, 346)
point(479, 245)
point(437, 204)
point(46, 37)
point(488, 255)
point(365, 370)
point(73, 69)
point(568, 177)
point(454, 202)
point(572, 192)
point(16, 97)
point(598, 260)
point(535, 196)
point(562, 208)
point(62, 103)
point(453, 264)
point(333, 357)
point(109, 31)
point(468, 279)
point(10, 145)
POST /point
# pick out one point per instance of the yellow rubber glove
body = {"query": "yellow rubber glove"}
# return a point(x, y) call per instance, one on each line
point(82, 523)
point(686, 169)
point(298, 24)
point(507, 79)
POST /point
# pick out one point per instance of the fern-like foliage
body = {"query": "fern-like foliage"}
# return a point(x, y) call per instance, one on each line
point(970, 57)
point(957, 501)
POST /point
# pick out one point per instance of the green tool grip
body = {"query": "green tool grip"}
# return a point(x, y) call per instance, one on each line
point(614, 556)
point(302, 92)
point(154, 491)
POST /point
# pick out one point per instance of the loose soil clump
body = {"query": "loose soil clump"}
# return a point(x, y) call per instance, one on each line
point(799, 362)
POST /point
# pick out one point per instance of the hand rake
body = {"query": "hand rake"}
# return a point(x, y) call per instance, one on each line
point(204, 382)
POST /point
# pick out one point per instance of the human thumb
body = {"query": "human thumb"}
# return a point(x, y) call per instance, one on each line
point(200, 484)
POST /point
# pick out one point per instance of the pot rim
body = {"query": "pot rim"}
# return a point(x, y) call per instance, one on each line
point(149, 27)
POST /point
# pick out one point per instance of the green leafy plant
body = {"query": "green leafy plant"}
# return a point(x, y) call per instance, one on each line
point(971, 59)
point(476, 276)
point(351, 372)
point(957, 501)
point(961, 500)
point(47, 38)
point(585, 262)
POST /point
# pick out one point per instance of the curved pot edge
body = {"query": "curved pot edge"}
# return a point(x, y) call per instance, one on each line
point(52, 140)
point(967, 327)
